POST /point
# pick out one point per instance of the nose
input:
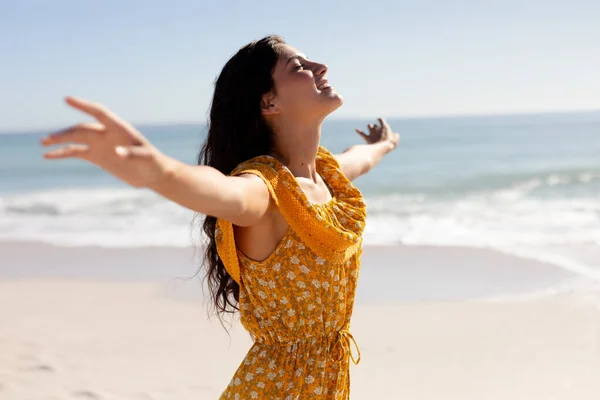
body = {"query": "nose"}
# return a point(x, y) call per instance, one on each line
point(320, 69)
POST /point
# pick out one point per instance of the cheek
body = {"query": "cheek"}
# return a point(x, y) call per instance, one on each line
point(298, 88)
point(299, 83)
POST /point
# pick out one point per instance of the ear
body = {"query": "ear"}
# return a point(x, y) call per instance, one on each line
point(268, 105)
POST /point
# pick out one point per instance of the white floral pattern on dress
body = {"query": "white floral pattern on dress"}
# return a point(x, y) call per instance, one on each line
point(295, 304)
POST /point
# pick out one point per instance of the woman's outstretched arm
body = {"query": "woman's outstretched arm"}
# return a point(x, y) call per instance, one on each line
point(359, 159)
point(115, 146)
point(242, 200)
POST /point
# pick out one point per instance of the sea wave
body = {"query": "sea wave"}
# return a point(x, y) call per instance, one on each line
point(104, 217)
point(511, 215)
point(512, 219)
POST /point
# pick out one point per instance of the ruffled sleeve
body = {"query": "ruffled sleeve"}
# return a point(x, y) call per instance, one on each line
point(333, 231)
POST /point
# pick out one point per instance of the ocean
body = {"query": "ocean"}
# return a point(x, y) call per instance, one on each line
point(527, 185)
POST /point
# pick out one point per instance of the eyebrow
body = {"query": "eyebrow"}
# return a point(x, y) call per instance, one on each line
point(296, 57)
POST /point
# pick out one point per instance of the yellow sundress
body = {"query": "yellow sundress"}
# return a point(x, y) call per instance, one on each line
point(298, 302)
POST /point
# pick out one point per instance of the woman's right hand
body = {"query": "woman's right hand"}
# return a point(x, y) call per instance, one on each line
point(112, 144)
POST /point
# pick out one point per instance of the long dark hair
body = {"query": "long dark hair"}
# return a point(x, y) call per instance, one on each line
point(237, 131)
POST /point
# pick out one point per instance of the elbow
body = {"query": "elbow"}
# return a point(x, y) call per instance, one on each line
point(237, 205)
point(240, 209)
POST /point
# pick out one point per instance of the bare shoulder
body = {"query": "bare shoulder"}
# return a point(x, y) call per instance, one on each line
point(258, 237)
point(259, 241)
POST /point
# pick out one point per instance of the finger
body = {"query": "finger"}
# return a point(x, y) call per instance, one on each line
point(382, 122)
point(364, 135)
point(371, 126)
point(70, 151)
point(82, 133)
point(96, 110)
point(133, 152)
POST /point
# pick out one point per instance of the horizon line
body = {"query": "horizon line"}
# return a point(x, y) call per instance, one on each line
point(25, 130)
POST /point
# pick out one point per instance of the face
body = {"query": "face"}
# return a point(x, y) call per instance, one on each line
point(301, 87)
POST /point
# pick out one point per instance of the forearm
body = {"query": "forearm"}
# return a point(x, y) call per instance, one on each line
point(359, 159)
point(371, 153)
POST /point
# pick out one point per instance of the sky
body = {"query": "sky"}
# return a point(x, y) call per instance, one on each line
point(156, 61)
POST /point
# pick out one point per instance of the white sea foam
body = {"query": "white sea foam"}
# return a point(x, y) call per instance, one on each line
point(510, 219)
point(101, 217)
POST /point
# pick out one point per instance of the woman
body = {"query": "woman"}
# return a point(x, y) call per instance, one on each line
point(284, 222)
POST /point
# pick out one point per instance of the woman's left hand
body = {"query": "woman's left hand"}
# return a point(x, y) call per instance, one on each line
point(380, 133)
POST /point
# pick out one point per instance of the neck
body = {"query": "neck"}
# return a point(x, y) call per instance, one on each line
point(296, 146)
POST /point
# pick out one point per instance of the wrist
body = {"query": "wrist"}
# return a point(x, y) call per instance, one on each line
point(387, 145)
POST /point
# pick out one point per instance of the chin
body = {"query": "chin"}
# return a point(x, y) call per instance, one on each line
point(334, 100)
point(340, 99)
point(328, 103)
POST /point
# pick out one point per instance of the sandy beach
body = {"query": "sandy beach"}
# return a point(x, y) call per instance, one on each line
point(468, 132)
point(73, 330)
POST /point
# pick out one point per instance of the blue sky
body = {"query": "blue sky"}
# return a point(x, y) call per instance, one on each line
point(155, 62)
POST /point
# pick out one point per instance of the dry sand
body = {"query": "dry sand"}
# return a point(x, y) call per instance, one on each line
point(77, 338)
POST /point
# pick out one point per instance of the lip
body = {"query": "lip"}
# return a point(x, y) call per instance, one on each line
point(324, 84)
